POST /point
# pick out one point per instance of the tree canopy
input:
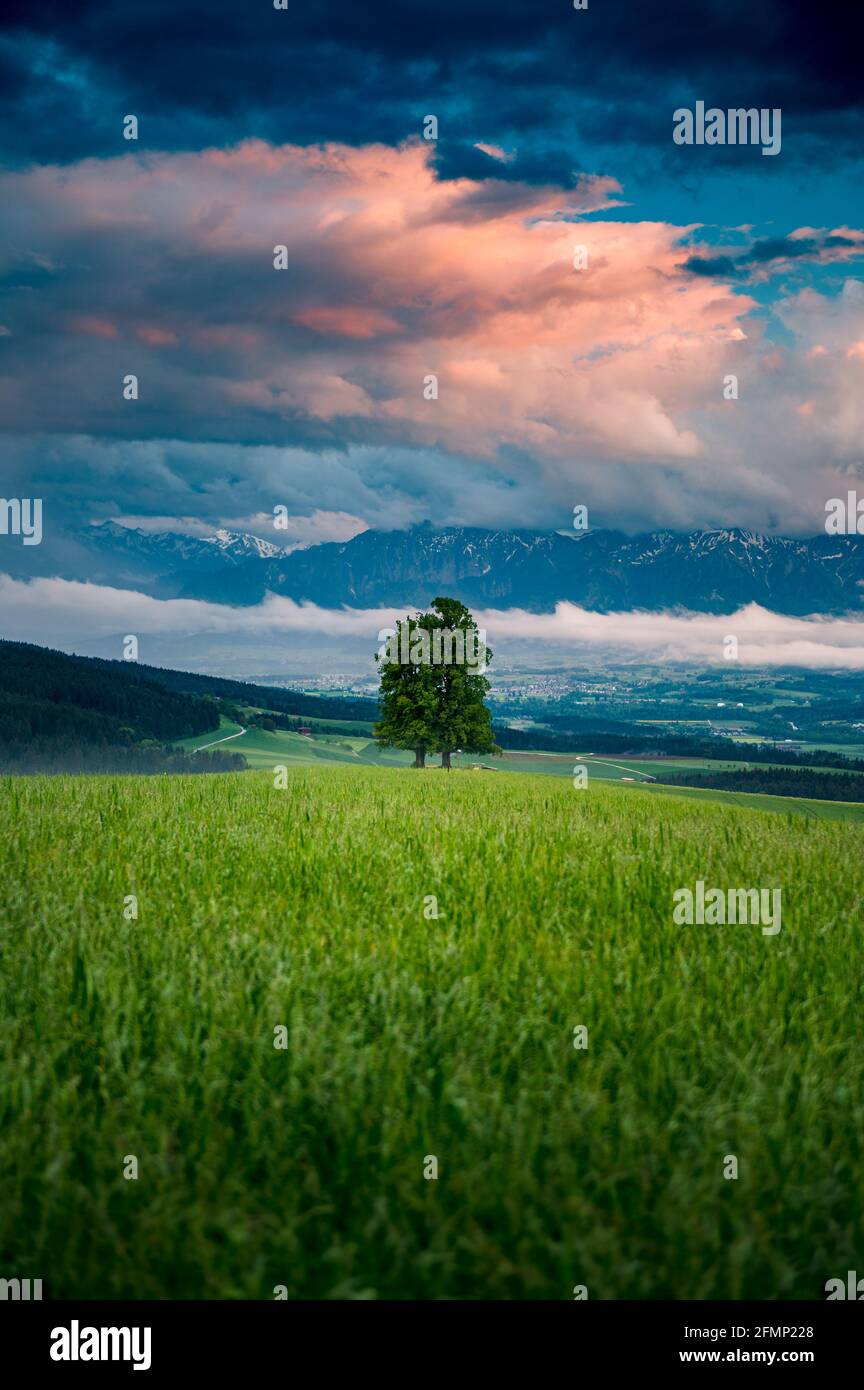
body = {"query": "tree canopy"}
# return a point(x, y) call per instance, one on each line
point(433, 685)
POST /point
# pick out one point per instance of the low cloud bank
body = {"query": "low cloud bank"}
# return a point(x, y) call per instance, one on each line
point(80, 616)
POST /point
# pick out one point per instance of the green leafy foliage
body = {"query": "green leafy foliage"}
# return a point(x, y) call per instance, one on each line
point(435, 705)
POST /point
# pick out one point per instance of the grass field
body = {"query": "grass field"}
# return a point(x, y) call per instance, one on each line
point(409, 1037)
point(267, 750)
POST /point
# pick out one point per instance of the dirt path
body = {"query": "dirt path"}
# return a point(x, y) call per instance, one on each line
point(217, 740)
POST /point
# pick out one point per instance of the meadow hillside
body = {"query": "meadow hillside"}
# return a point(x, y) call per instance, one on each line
point(280, 747)
point(410, 1037)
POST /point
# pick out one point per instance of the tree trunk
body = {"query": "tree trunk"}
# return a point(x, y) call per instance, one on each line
point(419, 757)
point(445, 759)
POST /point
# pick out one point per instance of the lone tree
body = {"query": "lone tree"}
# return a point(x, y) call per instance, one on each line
point(433, 686)
point(406, 695)
point(461, 718)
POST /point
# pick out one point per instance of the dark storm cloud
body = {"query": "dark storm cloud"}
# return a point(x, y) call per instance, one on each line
point(213, 72)
point(457, 159)
point(772, 253)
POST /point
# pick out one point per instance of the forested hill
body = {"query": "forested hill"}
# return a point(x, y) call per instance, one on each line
point(777, 781)
point(62, 713)
point(272, 697)
point(69, 713)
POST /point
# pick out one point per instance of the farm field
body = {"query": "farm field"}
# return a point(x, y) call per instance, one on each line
point(410, 1037)
point(610, 767)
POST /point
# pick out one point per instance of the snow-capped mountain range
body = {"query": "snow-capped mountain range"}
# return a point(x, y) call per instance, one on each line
point(607, 571)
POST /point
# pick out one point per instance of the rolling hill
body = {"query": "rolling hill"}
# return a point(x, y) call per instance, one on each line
point(70, 714)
